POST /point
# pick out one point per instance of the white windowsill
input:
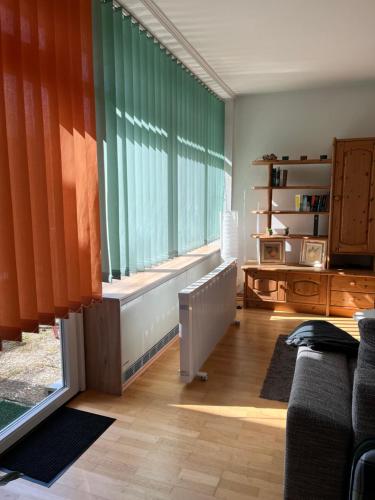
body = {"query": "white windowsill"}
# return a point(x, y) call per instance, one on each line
point(131, 287)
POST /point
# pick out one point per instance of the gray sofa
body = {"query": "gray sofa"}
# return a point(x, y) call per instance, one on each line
point(331, 410)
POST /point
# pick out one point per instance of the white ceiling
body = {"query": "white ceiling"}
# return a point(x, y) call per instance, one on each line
point(255, 46)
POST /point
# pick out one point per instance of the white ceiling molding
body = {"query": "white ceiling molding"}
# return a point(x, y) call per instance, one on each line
point(173, 30)
point(257, 46)
point(178, 45)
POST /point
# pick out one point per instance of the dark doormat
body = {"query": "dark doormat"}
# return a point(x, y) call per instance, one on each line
point(46, 452)
point(278, 382)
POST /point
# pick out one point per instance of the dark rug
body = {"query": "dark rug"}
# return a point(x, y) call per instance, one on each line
point(278, 382)
point(45, 453)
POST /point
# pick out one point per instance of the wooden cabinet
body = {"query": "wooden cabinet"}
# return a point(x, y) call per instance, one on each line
point(306, 288)
point(357, 284)
point(352, 300)
point(293, 288)
point(266, 286)
point(353, 197)
point(352, 292)
point(288, 289)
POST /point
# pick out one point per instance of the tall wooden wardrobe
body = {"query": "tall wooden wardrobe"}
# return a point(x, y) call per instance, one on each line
point(348, 282)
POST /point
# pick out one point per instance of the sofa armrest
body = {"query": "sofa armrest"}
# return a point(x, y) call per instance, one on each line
point(364, 404)
point(319, 427)
point(362, 480)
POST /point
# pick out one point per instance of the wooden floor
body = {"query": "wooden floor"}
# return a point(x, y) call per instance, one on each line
point(214, 439)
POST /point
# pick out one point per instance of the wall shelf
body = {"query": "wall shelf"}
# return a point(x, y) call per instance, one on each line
point(326, 188)
point(270, 188)
point(289, 212)
point(293, 162)
point(289, 236)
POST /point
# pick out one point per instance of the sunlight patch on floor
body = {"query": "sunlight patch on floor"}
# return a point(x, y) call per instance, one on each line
point(266, 416)
point(347, 324)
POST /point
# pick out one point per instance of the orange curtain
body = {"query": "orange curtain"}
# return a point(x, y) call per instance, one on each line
point(49, 215)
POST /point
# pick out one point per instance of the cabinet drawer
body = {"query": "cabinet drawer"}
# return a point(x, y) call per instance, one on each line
point(353, 284)
point(307, 288)
point(266, 286)
point(352, 299)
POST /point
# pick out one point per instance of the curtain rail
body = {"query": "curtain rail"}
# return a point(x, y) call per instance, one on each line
point(127, 12)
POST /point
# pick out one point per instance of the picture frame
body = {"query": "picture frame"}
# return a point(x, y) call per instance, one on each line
point(313, 253)
point(271, 251)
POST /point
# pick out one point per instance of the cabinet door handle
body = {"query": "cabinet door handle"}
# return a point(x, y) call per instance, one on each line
point(337, 198)
point(353, 283)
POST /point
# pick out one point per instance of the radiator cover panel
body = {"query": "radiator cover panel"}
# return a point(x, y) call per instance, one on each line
point(207, 308)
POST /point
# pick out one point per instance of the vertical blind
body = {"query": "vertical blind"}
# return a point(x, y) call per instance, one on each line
point(49, 215)
point(160, 138)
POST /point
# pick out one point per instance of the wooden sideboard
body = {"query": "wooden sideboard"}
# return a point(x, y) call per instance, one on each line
point(351, 241)
point(302, 289)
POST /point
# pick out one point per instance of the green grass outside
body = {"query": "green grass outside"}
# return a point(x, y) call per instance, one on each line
point(10, 411)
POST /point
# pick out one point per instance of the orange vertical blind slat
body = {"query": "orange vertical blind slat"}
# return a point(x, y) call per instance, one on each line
point(91, 180)
point(49, 211)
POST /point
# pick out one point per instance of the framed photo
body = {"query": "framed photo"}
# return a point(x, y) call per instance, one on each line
point(313, 253)
point(272, 251)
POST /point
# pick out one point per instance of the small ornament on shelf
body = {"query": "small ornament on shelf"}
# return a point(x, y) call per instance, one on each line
point(269, 157)
point(286, 231)
point(303, 157)
point(269, 231)
point(285, 158)
point(323, 157)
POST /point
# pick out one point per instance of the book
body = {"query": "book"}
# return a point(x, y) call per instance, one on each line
point(278, 176)
point(311, 203)
point(284, 177)
point(297, 202)
point(273, 177)
point(316, 225)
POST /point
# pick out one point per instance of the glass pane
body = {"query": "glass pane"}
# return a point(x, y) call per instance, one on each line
point(31, 369)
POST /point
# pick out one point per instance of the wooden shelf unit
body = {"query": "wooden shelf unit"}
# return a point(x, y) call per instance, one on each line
point(289, 236)
point(315, 161)
point(325, 188)
point(348, 284)
point(294, 212)
point(270, 188)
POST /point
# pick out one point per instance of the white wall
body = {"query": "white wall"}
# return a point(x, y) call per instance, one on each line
point(291, 123)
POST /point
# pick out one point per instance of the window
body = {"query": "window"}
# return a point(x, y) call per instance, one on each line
point(160, 135)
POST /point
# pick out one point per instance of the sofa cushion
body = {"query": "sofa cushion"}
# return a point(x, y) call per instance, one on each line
point(319, 427)
point(366, 353)
point(323, 336)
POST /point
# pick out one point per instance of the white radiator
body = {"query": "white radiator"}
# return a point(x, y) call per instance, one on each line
point(207, 308)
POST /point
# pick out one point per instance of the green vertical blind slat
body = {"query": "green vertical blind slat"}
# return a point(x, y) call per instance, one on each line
point(160, 139)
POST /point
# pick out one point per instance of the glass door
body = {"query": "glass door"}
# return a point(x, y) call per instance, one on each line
point(38, 374)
